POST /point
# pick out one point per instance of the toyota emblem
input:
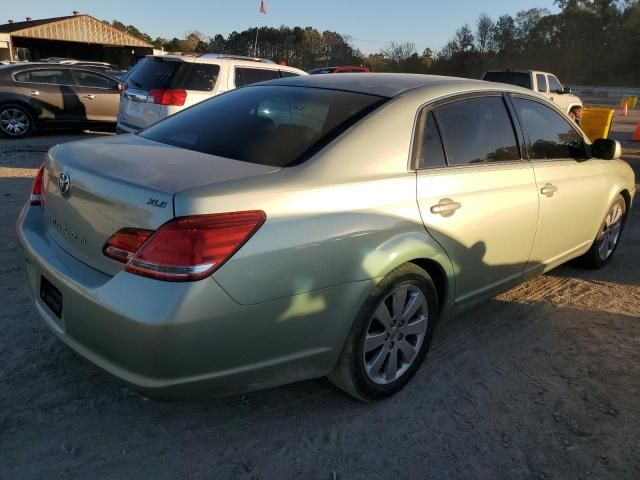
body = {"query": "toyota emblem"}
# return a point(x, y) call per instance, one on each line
point(64, 182)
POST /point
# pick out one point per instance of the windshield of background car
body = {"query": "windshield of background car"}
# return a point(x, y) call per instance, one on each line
point(521, 79)
point(154, 73)
point(267, 125)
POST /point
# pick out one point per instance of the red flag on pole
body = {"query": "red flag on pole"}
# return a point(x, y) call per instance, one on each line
point(263, 7)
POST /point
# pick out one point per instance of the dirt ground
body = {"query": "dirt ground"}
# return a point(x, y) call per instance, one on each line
point(542, 382)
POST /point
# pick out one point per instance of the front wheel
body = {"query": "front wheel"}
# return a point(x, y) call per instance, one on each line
point(15, 121)
point(390, 337)
point(608, 236)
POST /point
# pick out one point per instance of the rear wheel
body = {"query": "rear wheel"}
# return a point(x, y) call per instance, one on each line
point(608, 236)
point(390, 337)
point(15, 121)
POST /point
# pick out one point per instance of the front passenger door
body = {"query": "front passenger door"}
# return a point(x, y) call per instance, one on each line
point(571, 187)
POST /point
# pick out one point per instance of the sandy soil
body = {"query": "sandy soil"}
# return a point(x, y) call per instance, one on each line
point(542, 382)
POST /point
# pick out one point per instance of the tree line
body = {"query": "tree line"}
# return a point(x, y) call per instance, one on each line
point(594, 42)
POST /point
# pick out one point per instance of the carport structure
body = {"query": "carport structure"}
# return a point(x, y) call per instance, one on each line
point(78, 36)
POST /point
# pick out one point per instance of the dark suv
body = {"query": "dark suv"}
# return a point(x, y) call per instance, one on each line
point(38, 95)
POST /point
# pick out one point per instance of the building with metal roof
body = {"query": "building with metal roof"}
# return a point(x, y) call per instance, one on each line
point(77, 36)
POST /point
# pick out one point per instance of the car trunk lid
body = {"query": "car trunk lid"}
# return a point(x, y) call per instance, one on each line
point(94, 188)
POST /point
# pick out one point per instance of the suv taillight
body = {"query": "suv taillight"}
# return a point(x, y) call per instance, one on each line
point(168, 97)
point(36, 190)
point(186, 248)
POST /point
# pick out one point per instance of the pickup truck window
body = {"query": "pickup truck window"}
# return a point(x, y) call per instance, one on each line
point(521, 79)
point(541, 80)
point(554, 84)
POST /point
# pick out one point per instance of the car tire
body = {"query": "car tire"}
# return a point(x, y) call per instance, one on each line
point(366, 368)
point(16, 121)
point(608, 237)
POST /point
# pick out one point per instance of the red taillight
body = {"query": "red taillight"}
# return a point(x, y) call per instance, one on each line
point(123, 244)
point(189, 248)
point(168, 97)
point(36, 190)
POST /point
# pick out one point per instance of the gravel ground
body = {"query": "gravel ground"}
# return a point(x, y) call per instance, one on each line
point(542, 382)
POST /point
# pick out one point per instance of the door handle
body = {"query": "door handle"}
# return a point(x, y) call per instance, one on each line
point(34, 92)
point(548, 190)
point(446, 207)
point(91, 96)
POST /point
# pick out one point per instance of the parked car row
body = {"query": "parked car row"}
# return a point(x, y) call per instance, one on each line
point(67, 92)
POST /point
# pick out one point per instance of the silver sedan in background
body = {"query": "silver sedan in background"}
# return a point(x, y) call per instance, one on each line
point(311, 226)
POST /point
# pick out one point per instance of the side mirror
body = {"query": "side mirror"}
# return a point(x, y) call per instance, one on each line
point(566, 90)
point(606, 149)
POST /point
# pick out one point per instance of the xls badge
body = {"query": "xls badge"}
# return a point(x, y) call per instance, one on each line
point(64, 182)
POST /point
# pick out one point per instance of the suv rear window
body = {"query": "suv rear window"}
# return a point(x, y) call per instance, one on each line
point(267, 125)
point(521, 79)
point(154, 73)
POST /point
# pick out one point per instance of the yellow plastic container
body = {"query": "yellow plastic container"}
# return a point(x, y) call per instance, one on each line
point(596, 122)
point(632, 101)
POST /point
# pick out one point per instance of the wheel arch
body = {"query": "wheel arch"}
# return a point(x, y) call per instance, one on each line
point(439, 277)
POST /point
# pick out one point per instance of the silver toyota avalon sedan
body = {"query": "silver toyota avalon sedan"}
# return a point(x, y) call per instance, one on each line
point(311, 226)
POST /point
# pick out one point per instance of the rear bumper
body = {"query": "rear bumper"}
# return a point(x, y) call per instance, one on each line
point(186, 338)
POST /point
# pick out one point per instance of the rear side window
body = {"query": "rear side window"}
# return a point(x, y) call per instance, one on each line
point(550, 135)
point(202, 77)
point(541, 79)
point(477, 130)
point(154, 73)
point(94, 80)
point(554, 84)
point(430, 153)
point(50, 76)
point(247, 76)
point(521, 79)
point(267, 125)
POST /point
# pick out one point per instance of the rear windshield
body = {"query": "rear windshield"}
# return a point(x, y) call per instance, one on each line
point(521, 79)
point(267, 125)
point(153, 73)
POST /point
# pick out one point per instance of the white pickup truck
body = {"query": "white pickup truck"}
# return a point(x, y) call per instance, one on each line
point(542, 82)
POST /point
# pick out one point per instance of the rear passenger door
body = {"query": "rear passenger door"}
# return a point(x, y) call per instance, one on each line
point(570, 187)
point(477, 197)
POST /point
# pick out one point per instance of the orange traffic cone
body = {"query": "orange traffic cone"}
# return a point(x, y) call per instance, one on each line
point(625, 109)
point(636, 134)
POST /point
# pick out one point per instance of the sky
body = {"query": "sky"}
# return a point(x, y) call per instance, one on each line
point(372, 24)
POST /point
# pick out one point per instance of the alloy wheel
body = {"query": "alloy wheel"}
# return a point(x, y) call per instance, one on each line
point(395, 334)
point(610, 232)
point(14, 122)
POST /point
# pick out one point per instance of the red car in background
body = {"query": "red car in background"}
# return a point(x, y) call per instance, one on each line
point(348, 69)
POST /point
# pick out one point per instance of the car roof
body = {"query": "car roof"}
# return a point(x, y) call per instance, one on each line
point(228, 59)
point(17, 67)
point(388, 84)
